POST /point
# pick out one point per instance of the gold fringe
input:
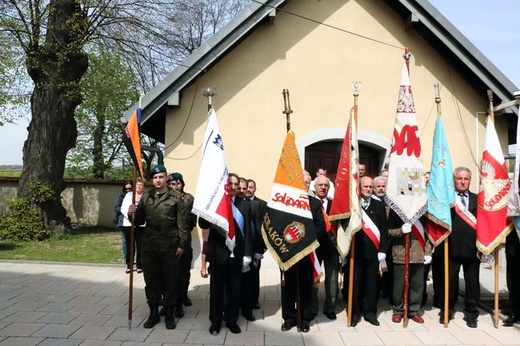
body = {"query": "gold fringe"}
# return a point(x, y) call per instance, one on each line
point(486, 250)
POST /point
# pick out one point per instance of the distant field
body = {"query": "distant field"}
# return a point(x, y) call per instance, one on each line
point(10, 173)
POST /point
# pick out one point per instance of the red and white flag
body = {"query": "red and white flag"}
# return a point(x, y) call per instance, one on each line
point(406, 188)
point(212, 199)
point(493, 195)
point(345, 211)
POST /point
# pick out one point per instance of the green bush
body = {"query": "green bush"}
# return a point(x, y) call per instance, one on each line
point(21, 222)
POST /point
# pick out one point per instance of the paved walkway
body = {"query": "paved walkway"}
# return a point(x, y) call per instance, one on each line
point(62, 304)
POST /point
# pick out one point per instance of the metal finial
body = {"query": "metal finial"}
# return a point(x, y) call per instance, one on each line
point(287, 108)
point(356, 87)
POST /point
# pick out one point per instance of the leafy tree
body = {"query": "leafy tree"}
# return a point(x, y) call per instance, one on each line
point(109, 89)
point(51, 39)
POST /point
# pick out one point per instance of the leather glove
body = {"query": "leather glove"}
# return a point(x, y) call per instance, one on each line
point(427, 259)
point(246, 261)
point(381, 256)
point(406, 228)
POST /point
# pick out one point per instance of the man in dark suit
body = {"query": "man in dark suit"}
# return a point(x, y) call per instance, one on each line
point(299, 278)
point(463, 249)
point(371, 243)
point(226, 266)
point(327, 252)
point(258, 210)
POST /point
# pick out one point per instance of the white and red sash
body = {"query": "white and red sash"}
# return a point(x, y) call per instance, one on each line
point(370, 229)
point(418, 232)
point(464, 214)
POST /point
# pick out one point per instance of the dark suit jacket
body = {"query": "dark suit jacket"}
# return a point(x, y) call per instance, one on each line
point(327, 248)
point(365, 248)
point(463, 238)
point(217, 249)
point(258, 210)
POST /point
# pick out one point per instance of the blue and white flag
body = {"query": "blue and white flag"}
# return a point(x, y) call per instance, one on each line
point(440, 188)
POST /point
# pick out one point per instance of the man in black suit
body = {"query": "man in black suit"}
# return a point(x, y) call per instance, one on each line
point(463, 249)
point(300, 278)
point(327, 252)
point(371, 243)
point(258, 210)
point(226, 266)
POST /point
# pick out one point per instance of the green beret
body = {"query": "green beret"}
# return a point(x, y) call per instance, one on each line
point(158, 169)
point(175, 176)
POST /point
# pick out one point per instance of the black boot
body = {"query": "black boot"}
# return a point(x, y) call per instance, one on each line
point(169, 320)
point(154, 318)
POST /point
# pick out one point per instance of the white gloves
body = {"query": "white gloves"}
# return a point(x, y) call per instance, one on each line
point(246, 261)
point(381, 256)
point(488, 259)
point(427, 259)
point(406, 228)
point(382, 267)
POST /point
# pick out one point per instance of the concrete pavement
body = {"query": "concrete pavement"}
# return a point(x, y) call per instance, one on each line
point(71, 304)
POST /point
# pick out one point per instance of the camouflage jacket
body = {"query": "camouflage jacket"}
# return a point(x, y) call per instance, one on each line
point(398, 241)
point(167, 221)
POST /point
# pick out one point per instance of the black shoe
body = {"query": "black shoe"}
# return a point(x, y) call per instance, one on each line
point(233, 328)
point(256, 306)
point(471, 322)
point(187, 302)
point(288, 325)
point(214, 329)
point(179, 312)
point(305, 326)
point(151, 322)
point(510, 321)
point(441, 318)
point(330, 315)
point(249, 317)
point(372, 321)
point(355, 321)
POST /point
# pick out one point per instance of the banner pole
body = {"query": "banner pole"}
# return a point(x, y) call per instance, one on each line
point(131, 249)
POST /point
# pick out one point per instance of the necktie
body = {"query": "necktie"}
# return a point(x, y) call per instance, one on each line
point(365, 204)
point(462, 196)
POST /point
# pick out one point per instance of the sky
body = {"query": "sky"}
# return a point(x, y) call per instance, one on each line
point(493, 26)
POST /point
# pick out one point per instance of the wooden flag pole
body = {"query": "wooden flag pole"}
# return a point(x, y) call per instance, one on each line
point(356, 86)
point(406, 294)
point(132, 250)
point(288, 111)
point(446, 241)
point(209, 93)
point(495, 251)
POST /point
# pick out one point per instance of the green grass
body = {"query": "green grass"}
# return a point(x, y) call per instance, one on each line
point(82, 245)
point(10, 173)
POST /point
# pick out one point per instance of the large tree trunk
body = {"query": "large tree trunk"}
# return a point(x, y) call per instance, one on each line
point(56, 69)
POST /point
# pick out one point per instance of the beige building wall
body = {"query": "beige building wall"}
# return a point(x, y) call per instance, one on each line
point(359, 40)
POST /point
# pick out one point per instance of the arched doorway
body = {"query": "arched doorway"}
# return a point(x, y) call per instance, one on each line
point(325, 154)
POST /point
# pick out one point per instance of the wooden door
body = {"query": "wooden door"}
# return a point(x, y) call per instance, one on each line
point(325, 154)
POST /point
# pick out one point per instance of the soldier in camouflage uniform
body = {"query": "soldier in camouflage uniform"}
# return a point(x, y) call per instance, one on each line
point(164, 241)
point(176, 182)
